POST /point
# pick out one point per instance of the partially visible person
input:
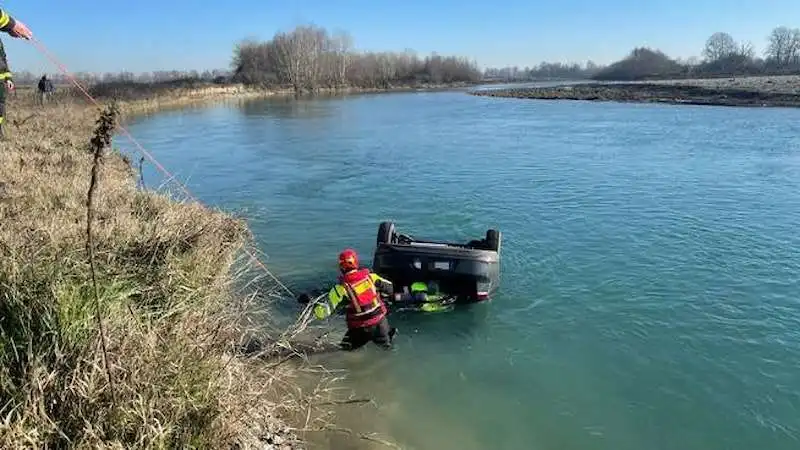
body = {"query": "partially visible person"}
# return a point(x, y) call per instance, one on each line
point(17, 29)
point(424, 297)
point(365, 312)
point(45, 88)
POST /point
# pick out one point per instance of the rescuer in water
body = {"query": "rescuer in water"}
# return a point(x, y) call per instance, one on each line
point(424, 297)
point(17, 29)
point(359, 290)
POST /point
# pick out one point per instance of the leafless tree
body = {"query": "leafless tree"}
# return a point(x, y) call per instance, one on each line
point(253, 61)
point(545, 71)
point(341, 47)
point(784, 46)
point(746, 50)
point(719, 45)
point(309, 57)
point(299, 55)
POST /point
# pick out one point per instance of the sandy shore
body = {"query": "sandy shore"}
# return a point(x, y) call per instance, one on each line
point(767, 91)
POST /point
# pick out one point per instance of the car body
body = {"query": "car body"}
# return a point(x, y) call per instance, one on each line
point(470, 272)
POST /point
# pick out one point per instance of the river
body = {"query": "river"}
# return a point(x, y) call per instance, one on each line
point(650, 270)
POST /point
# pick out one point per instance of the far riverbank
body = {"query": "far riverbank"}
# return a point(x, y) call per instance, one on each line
point(768, 91)
point(145, 98)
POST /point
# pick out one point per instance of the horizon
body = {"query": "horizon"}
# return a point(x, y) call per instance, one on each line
point(114, 41)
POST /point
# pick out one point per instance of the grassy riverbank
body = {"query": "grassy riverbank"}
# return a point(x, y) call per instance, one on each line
point(154, 356)
point(775, 91)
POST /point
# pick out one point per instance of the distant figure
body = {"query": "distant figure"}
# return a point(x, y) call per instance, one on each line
point(45, 88)
point(17, 29)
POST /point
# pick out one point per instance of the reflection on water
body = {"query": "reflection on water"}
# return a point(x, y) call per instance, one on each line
point(286, 107)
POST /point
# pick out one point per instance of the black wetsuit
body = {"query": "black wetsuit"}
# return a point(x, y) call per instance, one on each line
point(381, 334)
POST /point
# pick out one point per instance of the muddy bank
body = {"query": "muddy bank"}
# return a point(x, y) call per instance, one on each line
point(753, 91)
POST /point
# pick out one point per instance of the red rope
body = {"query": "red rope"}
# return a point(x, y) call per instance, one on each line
point(41, 47)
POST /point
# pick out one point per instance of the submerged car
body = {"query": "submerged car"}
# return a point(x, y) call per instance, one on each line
point(467, 272)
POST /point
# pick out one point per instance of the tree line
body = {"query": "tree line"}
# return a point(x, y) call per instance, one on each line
point(543, 71)
point(127, 85)
point(310, 57)
point(721, 56)
point(160, 76)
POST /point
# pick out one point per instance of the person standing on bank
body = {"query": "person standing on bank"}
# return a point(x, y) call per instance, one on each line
point(45, 88)
point(17, 29)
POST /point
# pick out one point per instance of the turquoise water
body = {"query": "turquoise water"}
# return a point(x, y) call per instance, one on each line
point(650, 273)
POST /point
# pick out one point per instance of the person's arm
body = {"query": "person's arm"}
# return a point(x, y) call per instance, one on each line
point(6, 22)
point(5, 72)
point(382, 284)
point(13, 28)
point(327, 306)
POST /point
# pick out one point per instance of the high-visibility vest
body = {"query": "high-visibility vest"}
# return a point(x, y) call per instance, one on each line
point(364, 308)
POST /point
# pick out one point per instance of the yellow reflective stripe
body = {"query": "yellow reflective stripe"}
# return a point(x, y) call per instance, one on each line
point(362, 286)
point(375, 278)
point(352, 296)
point(369, 311)
point(334, 296)
point(4, 19)
point(322, 310)
point(5, 75)
point(370, 285)
point(2, 119)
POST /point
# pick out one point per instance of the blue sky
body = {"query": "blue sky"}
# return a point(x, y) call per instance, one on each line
point(144, 35)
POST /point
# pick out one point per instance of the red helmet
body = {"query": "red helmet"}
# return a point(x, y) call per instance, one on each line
point(348, 260)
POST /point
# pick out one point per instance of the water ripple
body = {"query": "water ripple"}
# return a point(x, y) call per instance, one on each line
point(650, 267)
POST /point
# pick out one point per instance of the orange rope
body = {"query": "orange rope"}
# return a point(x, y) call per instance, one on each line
point(41, 47)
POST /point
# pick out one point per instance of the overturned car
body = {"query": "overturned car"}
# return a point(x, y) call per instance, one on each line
point(467, 272)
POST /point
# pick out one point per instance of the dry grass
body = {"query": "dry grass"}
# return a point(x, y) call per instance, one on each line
point(139, 99)
point(169, 278)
